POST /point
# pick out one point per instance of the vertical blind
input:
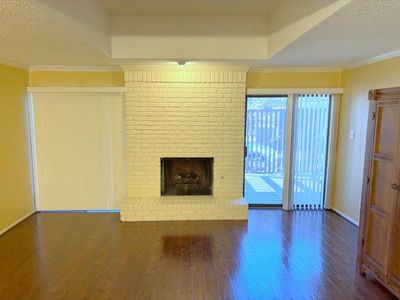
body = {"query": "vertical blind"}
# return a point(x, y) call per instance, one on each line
point(310, 148)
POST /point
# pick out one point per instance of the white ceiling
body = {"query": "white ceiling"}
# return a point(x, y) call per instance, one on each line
point(362, 30)
point(263, 33)
point(190, 7)
point(34, 34)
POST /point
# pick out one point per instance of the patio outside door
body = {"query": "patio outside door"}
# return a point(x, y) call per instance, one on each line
point(287, 170)
point(265, 144)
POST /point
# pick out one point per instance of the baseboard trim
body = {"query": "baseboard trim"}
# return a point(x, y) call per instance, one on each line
point(16, 222)
point(265, 206)
point(345, 216)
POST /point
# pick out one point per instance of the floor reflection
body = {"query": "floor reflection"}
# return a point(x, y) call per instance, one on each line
point(196, 244)
point(275, 255)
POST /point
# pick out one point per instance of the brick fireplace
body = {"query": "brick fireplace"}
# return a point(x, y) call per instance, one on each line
point(184, 112)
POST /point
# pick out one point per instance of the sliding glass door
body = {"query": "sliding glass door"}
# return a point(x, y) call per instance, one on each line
point(265, 144)
point(295, 128)
point(310, 151)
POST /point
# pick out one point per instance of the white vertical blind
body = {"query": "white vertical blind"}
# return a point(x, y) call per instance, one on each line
point(310, 149)
point(78, 150)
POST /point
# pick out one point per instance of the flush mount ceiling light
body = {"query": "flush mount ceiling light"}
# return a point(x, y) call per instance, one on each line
point(181, 62)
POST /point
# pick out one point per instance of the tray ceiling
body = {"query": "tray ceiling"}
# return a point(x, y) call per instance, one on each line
point(260, 33)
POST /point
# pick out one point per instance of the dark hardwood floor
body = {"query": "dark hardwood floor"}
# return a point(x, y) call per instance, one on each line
point(275, 255)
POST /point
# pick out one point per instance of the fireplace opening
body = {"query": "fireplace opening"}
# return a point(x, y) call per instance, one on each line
point(183, 176)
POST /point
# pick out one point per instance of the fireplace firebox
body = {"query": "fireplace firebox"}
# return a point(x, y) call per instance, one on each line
point(186, 176)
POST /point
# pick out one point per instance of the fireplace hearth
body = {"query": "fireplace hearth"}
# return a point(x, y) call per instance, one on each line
point(186, 176)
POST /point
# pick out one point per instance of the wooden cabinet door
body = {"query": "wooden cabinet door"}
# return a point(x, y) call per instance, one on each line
point(394, 261)
point(382, 196)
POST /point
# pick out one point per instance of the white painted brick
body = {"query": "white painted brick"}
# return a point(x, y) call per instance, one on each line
point(192, 114)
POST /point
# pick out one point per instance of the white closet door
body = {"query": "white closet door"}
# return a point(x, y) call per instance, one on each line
point(78, 146)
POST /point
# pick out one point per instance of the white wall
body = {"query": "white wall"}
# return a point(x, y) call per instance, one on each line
point(189, 37)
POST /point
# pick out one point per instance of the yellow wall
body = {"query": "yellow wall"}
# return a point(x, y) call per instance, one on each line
point(73, 78)
point(254, 79)
point(280, 79)
point(353, 117)
point(16, 198)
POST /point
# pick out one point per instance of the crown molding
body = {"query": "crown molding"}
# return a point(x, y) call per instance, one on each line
point(295, 70)
point(373, 60)
point(75, 68)
point(10, 63)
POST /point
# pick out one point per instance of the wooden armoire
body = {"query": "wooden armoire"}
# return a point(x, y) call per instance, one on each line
point(379, 240)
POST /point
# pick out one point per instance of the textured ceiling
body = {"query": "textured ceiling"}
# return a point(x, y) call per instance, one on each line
point(31, 34)
point(361, 30)
point(190, 7)
point(59, 32)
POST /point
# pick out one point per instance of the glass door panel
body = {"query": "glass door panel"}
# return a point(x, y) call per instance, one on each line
point(310, 151)
point(265, 144)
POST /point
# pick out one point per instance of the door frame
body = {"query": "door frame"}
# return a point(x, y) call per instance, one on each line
point(291, 94)
point(285, 186)
point(286, 199)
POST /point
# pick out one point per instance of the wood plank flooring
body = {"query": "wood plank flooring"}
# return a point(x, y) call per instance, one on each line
point(275, 255)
